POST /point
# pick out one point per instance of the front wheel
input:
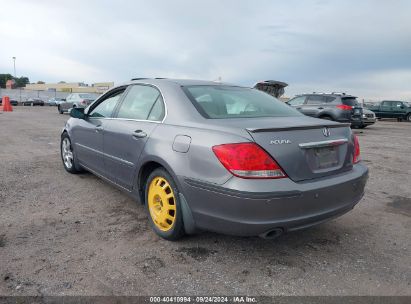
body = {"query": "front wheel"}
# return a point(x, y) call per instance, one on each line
point(163, 205)
point(408, 118)
point(67, 155)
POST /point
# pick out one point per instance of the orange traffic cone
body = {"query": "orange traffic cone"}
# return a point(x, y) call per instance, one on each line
point(6, 104)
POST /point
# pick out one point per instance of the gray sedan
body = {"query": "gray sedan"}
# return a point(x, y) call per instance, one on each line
point(211, 156)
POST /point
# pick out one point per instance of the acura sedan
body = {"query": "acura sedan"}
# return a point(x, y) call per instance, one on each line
point(210, 156)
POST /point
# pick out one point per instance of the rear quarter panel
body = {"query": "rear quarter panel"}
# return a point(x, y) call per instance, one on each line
point(199, 162)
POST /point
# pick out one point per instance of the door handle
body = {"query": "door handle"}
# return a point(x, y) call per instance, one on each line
point(98, 128)
point(139, 134)
point(320, 108)
point(298, 108)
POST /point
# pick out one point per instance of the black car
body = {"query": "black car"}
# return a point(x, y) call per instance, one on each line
point(33, 102)
point(335, 106)
point(12, 102)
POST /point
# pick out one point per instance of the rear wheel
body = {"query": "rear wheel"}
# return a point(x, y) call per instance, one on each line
point(408, 118)
point(163, 205)
point(60, 110)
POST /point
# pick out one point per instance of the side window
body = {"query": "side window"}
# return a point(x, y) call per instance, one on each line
point(398, 104)
point(315, 99)
point(386, 103)
point(330, 99)
point(298, 101)
point(106, 107)
point(142, 102)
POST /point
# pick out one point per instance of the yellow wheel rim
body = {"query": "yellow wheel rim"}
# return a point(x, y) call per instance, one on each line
point(162, 203)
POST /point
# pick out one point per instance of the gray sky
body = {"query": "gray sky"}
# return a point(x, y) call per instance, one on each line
point(361, 47)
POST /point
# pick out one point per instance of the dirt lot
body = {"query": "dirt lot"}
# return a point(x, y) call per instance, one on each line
point(62, 234)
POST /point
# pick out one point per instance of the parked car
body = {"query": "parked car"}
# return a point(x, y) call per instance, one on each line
point(76, 100)
point(12, 102)
point(55, 101)
point(368, 118)
point(272, 87)
point(392, 109)
point(33, 102)
point(335, 106)
point(216, 157)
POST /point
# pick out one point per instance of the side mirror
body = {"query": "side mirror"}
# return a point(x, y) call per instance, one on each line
point(77, 113)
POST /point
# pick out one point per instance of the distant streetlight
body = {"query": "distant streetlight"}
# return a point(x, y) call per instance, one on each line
point(14, 62)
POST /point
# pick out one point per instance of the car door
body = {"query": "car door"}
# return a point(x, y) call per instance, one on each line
point(398, 109)
point(386, 109)
point(314, 104)
point(67, 104)
point(297, 102)
point(139, 113)
point(88, 136)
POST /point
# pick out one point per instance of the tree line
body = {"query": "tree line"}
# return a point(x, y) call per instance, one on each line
point(20, 81)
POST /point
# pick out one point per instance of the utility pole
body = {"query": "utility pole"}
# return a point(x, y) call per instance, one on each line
point(14, 62)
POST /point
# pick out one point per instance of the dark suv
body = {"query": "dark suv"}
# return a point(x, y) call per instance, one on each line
point(335, 106)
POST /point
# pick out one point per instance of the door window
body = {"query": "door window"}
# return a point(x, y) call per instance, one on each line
point(106, 107)
point(298, 101)
point(329, 99)
point(142, 102)
point(386, 104)
point(315, 99)
point(397, 104)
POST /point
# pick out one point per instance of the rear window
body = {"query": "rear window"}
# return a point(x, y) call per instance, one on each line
point(350, 101)
point(220, 101)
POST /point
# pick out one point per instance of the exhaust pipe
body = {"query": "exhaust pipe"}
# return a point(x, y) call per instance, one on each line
point(272, 234)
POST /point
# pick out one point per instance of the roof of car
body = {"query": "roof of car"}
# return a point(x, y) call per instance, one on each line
point(329, 94)
point(182, 82)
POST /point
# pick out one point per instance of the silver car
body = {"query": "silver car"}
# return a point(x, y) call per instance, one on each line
point(76, 100)
point(211, 156)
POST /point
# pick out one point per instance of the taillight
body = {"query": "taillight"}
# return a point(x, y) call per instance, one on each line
point(344, 107)
point(83, 102)
point(248, 160)
point(357, 156)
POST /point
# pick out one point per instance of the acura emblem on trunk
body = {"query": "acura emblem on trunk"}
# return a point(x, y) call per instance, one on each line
point(326, 132)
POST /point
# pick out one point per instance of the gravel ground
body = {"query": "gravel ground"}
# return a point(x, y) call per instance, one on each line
point(62, 234)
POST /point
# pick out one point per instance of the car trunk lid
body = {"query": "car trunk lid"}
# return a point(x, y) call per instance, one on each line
point(307, 151)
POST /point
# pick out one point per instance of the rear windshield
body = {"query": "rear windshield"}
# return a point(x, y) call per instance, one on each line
point(350, 101)
point(221, 101)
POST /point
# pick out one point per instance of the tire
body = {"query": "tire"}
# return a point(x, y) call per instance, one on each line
point(362, 126)
point(60, 110)
point(68, 156)
point(408, 117)
point(163, 205)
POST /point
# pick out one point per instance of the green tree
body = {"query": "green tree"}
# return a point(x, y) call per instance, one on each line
point(40, 82)
point(4, 78)
point(22, 81)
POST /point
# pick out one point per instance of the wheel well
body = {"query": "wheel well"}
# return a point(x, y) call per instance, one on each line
point(145, 171)
point(325, 115)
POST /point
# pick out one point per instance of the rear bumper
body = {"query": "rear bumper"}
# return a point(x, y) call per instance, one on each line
point(363, 122)
point(273, 204)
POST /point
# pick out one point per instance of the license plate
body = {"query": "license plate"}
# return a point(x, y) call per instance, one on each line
point(326, 157)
